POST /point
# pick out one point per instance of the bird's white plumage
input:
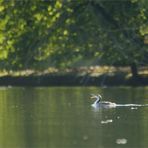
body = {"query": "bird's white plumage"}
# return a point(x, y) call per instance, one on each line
point(101, 104)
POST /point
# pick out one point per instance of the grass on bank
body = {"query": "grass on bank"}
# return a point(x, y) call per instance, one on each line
point(93, 71)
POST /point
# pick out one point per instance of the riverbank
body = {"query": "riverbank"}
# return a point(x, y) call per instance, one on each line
point(72, 80)
point(92, 76)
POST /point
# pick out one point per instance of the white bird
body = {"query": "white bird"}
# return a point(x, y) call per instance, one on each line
point(102, 104)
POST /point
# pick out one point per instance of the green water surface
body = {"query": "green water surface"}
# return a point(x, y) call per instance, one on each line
point(62, 117)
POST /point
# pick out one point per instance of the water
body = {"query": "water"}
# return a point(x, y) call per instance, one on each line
point(62, 117)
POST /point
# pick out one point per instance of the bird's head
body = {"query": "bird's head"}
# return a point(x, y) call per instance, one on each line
point(99, 97)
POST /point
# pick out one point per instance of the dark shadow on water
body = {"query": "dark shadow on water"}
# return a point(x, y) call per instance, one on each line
point(116, 79)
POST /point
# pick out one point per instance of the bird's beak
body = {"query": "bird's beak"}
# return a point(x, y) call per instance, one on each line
point(92, 97)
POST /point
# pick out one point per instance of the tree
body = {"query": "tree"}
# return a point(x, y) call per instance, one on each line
point(64, 32)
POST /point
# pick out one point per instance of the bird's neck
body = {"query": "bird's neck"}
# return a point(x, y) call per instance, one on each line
point(97, 100)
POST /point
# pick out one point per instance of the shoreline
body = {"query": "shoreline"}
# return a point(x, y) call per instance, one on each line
point(73, 80)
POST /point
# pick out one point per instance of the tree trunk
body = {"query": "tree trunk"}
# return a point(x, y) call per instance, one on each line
point(134, 70)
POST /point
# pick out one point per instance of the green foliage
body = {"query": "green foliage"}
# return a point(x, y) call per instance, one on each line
point(43, 33)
